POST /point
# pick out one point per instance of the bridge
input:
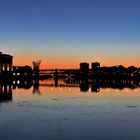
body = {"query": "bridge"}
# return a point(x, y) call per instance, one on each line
point(53, 73)
point(60, 85)
point(60, 71)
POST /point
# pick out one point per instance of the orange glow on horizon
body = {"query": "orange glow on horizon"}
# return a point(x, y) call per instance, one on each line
point(73, 64)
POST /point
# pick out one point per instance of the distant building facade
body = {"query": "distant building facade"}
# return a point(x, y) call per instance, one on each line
point(22, 77)
point(84, 67)
point(95, 66)
point(6, 63)
point(20, 72)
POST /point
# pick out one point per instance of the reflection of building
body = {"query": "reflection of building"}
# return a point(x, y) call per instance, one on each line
point(95, 88)
point(22, 83)
point(5, 64)
point(36, 87)
point(5, 92)
point(84, 86)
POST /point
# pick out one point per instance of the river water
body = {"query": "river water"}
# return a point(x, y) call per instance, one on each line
point(66, 113)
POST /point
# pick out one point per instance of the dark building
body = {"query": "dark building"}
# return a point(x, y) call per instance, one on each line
point(84, 67)
point(20, 72)
point(6, 62)
point(22, 77)
point(95, 66)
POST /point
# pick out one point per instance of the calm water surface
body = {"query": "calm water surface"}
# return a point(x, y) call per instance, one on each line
point(66, 113)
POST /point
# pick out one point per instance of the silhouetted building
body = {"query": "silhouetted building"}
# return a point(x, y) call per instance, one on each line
point(84, 67)
point(6, 62)
point(95, 66)
point(20, 72)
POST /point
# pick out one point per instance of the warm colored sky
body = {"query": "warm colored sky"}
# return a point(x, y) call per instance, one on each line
point(66, 32)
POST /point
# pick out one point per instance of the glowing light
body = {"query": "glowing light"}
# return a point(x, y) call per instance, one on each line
point(18, 82)
point(89, 90)
point(117, 90)
point(107, 90)
point(3, 68)
point(52, 89)
point(126, 90)
point(135, 90)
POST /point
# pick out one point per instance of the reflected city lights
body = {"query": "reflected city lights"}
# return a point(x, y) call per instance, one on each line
point(18, 82)
point(117, 90)
point(52, 89)
point(70, 89)
point(135, 90)
point(107, 90)
point(89, 90)
point(126, 90)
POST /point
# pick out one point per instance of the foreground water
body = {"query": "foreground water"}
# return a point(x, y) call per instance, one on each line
point(66, 113)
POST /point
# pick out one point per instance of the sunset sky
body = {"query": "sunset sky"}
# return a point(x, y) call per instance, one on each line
point(63, 33)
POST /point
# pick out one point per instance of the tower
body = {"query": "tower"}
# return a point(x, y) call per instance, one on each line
point(36, 65)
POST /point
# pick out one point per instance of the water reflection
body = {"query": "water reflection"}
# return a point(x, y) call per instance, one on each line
point(36, 89)
point(83, 85)
point(95, 85)
point(5, 92)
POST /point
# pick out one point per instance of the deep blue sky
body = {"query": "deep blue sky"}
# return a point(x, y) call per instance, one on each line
point(72, 30)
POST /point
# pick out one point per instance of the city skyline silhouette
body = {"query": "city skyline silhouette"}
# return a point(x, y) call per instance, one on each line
point(86, 77)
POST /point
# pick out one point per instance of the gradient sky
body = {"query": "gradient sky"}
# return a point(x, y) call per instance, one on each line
point(63, 33)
